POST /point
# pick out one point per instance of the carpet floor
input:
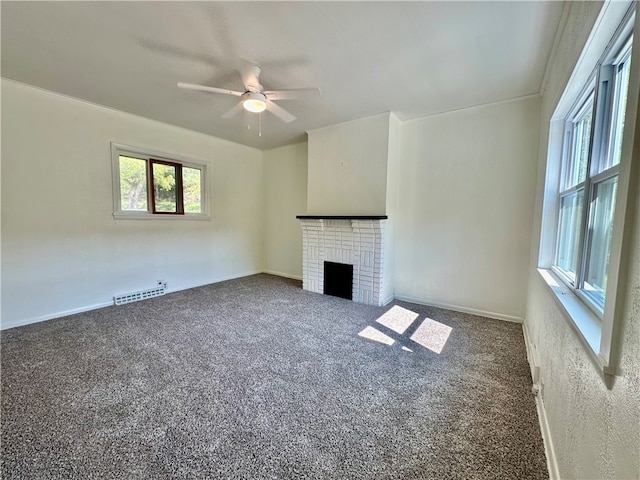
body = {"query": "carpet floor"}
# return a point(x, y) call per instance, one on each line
point(255, 378)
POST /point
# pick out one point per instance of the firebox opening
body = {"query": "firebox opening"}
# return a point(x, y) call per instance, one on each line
point(338, 280)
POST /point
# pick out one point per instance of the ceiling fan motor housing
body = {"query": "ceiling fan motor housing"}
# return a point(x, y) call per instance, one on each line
point(254, 101)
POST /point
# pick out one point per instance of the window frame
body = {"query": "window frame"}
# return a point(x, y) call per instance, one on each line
point(597, 329)
point(599, 94)
point(179, 186)
point(152, 157)
point(587, 97)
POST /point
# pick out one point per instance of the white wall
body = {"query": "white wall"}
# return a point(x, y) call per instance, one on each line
point(348, 168)
point(285, 189)
point(62, 251)
point(458, 189)
point(595, 431)
point(465, 205)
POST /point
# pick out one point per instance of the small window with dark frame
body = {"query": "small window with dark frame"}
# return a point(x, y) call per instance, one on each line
point(166, 188)
point(147, 185)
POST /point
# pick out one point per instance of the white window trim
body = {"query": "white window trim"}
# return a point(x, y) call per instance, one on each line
point(118, 149)
point(599, 336)
point(587, 96)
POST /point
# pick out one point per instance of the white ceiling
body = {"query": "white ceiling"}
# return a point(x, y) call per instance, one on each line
point(412, 58)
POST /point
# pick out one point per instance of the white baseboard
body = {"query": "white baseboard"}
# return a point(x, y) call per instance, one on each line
point(86, 308)
point(458, 308)
point(534, 364)
point(552, 461)
point(388, 300)
point(214, 280)
point(44, 318)
point(282, 274)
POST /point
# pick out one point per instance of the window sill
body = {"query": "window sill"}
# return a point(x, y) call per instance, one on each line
point(586, 325)
point(150, 216)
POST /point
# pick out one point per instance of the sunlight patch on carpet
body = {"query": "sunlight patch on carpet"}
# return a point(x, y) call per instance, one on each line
point(432, 335)
point(371, 333)
point(397, 319)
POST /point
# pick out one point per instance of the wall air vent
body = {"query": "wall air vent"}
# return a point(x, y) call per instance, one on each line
point(136, 296)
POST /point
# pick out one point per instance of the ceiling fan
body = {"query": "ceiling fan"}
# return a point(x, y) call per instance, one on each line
point(254, 98)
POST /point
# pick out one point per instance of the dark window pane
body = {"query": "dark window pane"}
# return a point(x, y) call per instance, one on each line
point(164, 187)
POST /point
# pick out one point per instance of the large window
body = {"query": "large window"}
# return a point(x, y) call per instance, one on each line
point(590, 166)
point(589, 176)
point(149, 184)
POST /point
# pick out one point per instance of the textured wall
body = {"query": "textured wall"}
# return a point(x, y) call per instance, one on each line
point(595, 431)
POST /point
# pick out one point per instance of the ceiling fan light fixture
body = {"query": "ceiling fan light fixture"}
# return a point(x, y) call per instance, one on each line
point(254, 102)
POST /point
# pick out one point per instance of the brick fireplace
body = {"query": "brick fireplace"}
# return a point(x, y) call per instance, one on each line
point(350, 240)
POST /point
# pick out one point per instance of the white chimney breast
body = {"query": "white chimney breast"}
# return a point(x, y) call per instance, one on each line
point(347, 167)
point(357, 242)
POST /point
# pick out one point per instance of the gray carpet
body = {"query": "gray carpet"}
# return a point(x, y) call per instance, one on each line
point(255, 378)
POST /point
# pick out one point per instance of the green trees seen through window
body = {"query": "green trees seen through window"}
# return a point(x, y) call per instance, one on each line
point(168, 177)
point(133, 183)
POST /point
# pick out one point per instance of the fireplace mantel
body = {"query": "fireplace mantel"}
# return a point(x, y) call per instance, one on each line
point(342, 217)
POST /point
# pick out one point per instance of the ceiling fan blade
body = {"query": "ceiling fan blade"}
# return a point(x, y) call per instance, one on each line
point(280, 112)
point(234, 111)
point(203, 88)
point(293, 93)
point(251, 78)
